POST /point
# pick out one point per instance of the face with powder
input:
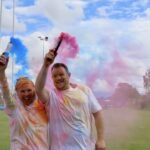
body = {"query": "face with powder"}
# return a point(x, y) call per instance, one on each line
point(60, 76)
point(25, 90)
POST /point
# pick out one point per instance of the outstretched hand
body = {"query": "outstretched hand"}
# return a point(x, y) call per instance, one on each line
point(49, 57)
point(100, 145)
point(3, 63)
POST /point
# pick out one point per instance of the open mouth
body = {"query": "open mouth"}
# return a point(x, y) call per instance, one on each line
point(60, 81)
point(26, 98)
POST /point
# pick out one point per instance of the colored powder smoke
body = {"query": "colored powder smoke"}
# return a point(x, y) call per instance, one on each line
point(19, 51)
point(68, 48)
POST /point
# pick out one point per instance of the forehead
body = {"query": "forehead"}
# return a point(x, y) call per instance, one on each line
point(26, 86)
point(59, 70)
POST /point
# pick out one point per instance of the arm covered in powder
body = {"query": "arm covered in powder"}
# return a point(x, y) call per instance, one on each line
point(100, 143)
point(7, 97)
point(41, 78)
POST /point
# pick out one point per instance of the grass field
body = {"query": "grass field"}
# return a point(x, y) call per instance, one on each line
point(126, 129)
point(4, 132)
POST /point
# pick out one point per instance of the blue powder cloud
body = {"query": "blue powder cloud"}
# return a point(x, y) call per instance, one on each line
point(20, 51)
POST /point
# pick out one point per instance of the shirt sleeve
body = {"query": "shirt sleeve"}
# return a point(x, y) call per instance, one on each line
point(93, 102)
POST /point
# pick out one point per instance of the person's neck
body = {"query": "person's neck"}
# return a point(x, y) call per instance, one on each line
point(28, 103)
point(64, 89)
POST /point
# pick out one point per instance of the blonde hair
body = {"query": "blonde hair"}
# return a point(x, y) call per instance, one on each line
point(22, 81)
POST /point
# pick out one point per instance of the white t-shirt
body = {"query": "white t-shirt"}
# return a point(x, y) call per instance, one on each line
point(28, 126)
point(70, 118)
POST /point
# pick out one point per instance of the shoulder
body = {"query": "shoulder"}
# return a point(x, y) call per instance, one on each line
point(82, 87)
point(38, 105)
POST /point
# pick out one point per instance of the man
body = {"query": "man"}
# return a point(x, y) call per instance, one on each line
point(27, 115)
point(71, 108)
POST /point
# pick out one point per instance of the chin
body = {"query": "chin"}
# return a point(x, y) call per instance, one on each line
point(27, 103)
point(59, 88)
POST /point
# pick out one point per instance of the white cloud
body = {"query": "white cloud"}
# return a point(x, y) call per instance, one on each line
point(101, 86)
point(11, 70)
point(97, 39)
point(7, 21)
point(58, 12)
point(93, 32)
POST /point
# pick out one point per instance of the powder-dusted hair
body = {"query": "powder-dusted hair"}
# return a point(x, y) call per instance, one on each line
point(57, 65)
point(21, 81)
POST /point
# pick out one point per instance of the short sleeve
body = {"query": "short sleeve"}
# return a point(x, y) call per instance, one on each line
point(94, 105)
point(93, 102)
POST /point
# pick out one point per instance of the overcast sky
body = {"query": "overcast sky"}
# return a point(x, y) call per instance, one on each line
point(113, 38)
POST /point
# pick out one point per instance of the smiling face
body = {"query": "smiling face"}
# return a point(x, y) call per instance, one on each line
point(26, 93)
point(60, 78)
point(25, 90)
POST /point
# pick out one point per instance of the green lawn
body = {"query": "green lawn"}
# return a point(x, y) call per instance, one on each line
point(139, 138)
point(4, 132)
point(126, 129)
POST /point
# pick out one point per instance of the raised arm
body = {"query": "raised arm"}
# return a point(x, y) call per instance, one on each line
point(41, 78)
point(4, 84)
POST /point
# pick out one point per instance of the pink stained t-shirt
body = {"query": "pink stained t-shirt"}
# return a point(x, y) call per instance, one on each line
point(71, 120)
point(28, 126)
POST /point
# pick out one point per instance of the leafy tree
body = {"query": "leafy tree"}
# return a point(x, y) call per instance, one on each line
point(125, 94)
point(146, 81)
